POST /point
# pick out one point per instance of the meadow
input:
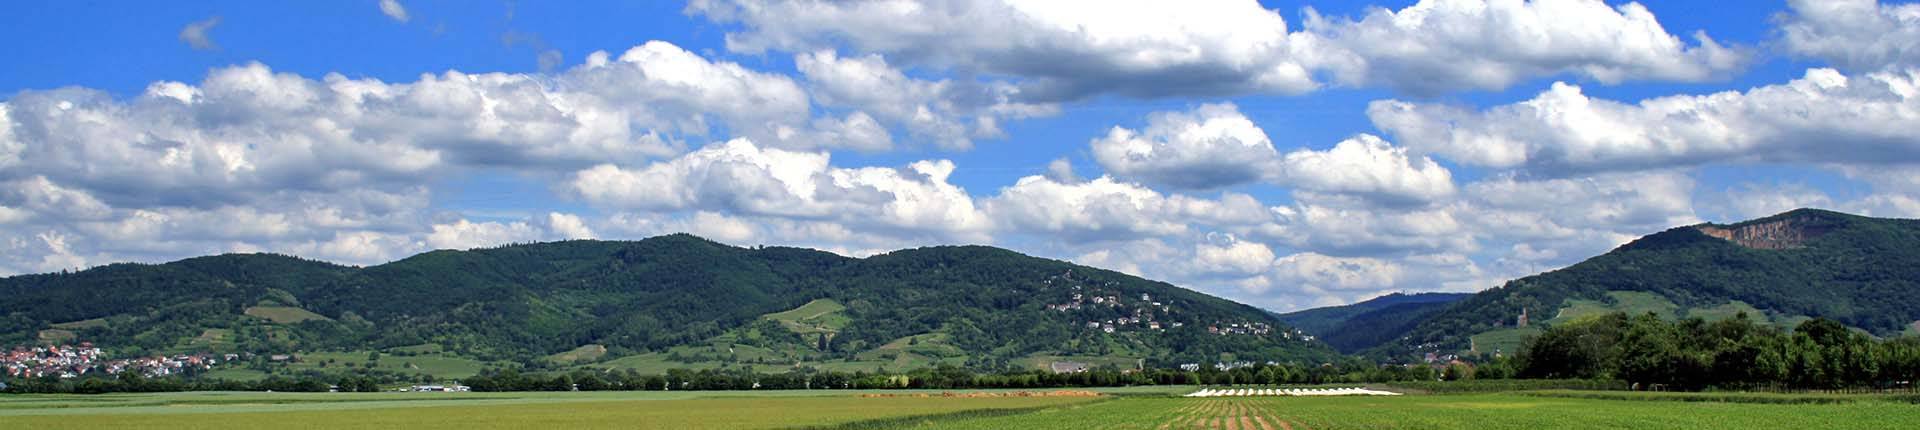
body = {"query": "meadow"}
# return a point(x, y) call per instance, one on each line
point(1119, 408)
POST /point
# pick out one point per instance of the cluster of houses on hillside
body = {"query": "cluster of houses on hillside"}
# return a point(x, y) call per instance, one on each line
point(1252, 328)
point(1223, 365)
point(72, 361)
point(1145, 314)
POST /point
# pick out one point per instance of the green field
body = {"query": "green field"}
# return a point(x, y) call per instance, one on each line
point(683, 410)
point(1630, 302)
point(1480, 411)
point(284, 314)
point(1120, 408)
point(213, 339)
point(56, 336)
point(1044, 361)
point(582, 354)
point(1505, 341)
point(818, 316)
point(439, 365)
point(81, 324)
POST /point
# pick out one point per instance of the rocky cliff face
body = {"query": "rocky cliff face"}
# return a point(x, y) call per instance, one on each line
point(1779, 234)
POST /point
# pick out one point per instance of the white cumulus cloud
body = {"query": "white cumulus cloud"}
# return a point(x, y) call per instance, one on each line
point(1068, 50)
point(1210, 147)
point(741, 177)
point(1825, 116)
point(1859, 35)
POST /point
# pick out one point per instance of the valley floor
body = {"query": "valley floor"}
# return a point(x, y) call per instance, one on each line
point(1126, 408)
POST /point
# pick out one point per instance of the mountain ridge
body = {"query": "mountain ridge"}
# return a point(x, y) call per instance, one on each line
point(1797, 264)
point(653, 297)
point(1349, 328)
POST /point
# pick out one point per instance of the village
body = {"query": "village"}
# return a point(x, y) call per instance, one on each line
point(1143, 315)
point(73, 361)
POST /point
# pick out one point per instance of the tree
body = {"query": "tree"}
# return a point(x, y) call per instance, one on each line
point(1457, 371)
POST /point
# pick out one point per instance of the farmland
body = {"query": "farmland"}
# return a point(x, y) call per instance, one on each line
point(1119, 408)
point(678, 410)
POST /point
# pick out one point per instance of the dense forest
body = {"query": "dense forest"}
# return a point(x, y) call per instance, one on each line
point(1861, 272)
point(1371, 322)
point(521, 302)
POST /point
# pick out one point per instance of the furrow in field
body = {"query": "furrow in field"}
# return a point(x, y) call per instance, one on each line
point(1262, 421)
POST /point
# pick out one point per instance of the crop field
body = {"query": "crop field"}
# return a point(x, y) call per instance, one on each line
point(684, 410)
point(1480, 411)
point(1124, 408)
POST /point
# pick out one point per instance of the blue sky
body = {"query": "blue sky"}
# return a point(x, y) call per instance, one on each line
point(1263, 152)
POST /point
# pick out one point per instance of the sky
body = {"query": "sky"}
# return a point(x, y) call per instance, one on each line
point(1283, 154)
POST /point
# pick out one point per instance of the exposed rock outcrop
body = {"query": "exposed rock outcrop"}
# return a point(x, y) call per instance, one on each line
point(1777, 234)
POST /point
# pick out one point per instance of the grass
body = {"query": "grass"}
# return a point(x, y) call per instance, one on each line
point(213, 339)
point(439, 365)
point(55, 335)
point(818, 316)
point(81, 324)
point(425, 348)
point(588, 352)
point(1504, 341)
point(657, 363)
point(1631, 302)
point(284, 314)
point(1478, 386)
point(1478, 411)
point(236, 374)
point(776, 361)
point(1138, 408)
point(1043, 361)
point(1724, 397)
point(710, 410)
point(913, 352)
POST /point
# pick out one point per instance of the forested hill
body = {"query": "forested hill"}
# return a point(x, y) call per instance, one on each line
point(1863, 272)
point(665, 298)
point(1361, 325)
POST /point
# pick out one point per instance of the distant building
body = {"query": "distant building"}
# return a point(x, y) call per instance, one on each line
point(456, 388)
point(1067, 367)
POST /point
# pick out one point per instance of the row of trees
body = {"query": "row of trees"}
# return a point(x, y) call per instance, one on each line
point(1735, 353)
point(944, 377)
point(131, 382)
point(952, 377)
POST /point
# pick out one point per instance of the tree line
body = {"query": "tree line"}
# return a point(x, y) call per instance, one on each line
point(1737, 353)
point(953, 377)
point(133, 382)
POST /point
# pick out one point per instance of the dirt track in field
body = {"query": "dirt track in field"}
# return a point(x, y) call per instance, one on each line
point(1231, 414)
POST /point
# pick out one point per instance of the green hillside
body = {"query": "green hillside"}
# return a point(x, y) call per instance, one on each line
point(1863, 272)
point(1365, 324)
point(670, 301)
